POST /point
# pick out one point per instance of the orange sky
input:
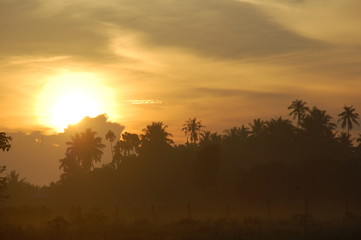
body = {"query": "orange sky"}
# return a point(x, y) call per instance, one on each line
point(225, 62)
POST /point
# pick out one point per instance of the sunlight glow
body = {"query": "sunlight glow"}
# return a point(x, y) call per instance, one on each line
point(69, 97)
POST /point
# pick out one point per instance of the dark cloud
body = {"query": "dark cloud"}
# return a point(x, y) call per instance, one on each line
point(36, 155)
point(227, 29)
point(223, 29)
point(99, 124)
point(26, 31)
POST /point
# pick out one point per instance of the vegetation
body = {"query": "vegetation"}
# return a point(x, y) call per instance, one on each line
point(5, 146)
point(192, 129)
point(84, 150)
point(5, 142)
point(268, 179)
point(299, 110)
point(348, 117)
point(110, 136)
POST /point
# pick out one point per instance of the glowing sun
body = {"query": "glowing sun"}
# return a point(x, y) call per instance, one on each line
point(68, 98)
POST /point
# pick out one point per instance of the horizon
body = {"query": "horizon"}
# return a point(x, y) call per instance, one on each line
point(54, 150)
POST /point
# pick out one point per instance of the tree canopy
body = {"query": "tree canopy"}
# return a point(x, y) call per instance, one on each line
point(84, 149)
point(348, 118)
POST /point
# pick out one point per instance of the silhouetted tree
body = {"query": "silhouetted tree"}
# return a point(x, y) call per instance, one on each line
point(5, 142)
point(207, 138)
point(15, 184)
point(318, 122)
point(5, 146)
point(257, 127)
point(84, 150)
point(344, 141)
point(279, 127)
point(265, 160)
point(131, 143)
point(110, 136)
point(192, 129)
point(70, 165)
point(156, 135)
point(127, 146)
point(206, 166)
point(14, 178)
point(124, 147)
point(279, 139)
point(348, 117)
point(236, 134)
point(2, 182)
point(118, 156)
point(208, 159)
point(299, 110)
point(317, 135)
point(18, 190)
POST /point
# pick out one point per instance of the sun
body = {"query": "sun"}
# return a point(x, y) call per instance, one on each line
point(69, 97)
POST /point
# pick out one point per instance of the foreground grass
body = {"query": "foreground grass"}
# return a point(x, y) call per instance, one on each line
point(96, 225)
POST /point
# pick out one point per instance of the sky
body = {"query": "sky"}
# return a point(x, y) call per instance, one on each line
point(225, 62)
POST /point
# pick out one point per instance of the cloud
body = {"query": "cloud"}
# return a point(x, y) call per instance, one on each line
point(331, 21)
point(148, 101)
point(36, 154)
point(28, 30)
point(222, 29)
point(222, 92)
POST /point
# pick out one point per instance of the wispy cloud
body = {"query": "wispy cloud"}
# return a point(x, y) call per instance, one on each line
point(148, 101)
point(331, 21)
point(213, 28)
point(32, 59)
point(231, 92)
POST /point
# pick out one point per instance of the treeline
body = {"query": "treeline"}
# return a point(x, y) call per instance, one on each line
point(270, 166)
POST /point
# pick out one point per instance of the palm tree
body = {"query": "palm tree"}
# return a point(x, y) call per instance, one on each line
point(85, 149)
point(13, 178)
point(131, 142)
point(126, 147)
point(123, 147)
point(345, 141)
point(156, 134)
point(16, 187)
point(257, 127)
point(110, 136)
point(118, 156)
point(192, 129)
point(299, 110)
point(209, 138)
point(155, 141)
point(236, 134)
point(70, 165)
point(318, 122)
point(280, 128)
point(348, 117)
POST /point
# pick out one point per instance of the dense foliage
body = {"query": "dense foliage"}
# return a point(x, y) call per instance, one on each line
point(266, 167)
